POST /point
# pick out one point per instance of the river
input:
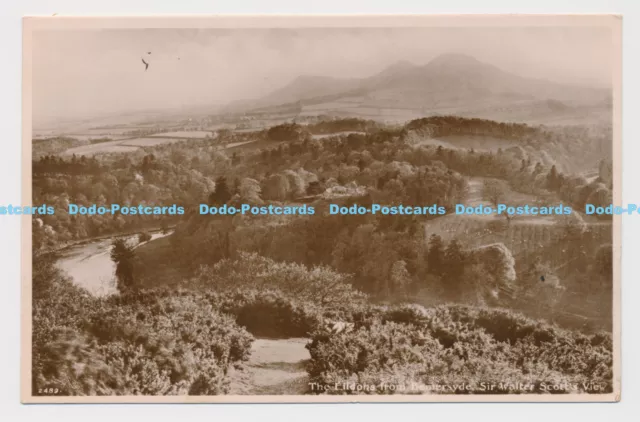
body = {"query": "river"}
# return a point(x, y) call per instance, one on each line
point(90, 266)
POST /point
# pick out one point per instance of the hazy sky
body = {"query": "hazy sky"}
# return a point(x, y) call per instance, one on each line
point(87, 72)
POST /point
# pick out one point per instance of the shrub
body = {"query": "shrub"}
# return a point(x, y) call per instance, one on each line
point(457, 350)
point(70, 365)
point(169, 342)
point(270, 313)
point(144, 237)
point(138, 343)
point(319, 285)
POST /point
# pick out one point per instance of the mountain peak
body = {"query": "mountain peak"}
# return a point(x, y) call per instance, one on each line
point(401, 65)
point(454, 59)
point(391, 72)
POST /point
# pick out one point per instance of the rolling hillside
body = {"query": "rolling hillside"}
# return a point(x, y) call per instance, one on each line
point(449, 84)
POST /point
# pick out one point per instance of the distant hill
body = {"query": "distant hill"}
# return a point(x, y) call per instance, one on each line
point(449, 84)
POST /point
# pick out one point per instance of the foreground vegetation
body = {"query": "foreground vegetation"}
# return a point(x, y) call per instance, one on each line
point(150, 343)
point(458, 350)
point(186, 340)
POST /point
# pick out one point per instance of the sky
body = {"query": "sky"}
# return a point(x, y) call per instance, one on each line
point(83, 73)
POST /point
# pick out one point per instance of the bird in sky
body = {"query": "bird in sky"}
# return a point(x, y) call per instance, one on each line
point(541, 278)
point(146, 65)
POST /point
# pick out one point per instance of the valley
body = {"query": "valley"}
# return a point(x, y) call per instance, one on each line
point(271, 304)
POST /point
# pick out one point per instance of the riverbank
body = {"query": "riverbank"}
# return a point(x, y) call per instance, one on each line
point(80, 242)
point(89, 263)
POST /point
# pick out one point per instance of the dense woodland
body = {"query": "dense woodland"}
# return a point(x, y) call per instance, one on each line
point(383, 161)
point(188, 303)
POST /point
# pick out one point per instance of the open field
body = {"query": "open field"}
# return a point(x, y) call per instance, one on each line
point(132, 145)
point(150, 141)
point(90, 137)
point(200, 134)
point(101, 148)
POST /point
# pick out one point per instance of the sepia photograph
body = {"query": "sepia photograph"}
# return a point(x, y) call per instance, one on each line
point(321, 209)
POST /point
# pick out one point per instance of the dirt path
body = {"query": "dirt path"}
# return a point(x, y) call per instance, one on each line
point(275, 367)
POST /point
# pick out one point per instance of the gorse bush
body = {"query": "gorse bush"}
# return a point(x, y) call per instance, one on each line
point(278, 299)
point(318, 285)
point(271, 313)
point(70, 364)
point(173, 341)
point(457, 350)
point(138, 343)
point(58, 310)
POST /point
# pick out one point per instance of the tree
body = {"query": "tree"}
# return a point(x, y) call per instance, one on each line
point(540, 287)
point(400, 278)
point(315, 188)
point(605, 172)
point(454, 258)
point(600, 196)
point(296, 184)
point(435, 256)
point(123, 255)
point(221, 194)
point(249, 191)
point(572, 225)
point(286, 132)
point(494, 191)
point(498, 261)
point(553, 179)
point(477, 286)
point(144, 237)
point(276, 187)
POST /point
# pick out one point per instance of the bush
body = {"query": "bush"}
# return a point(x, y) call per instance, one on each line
point(457, 350)
point(166, 341)
point(317, 288)
point(319, 285)
point(138, 343)
point(69, 364)
point(58, 307)
point(270, 313)
point(144, 237)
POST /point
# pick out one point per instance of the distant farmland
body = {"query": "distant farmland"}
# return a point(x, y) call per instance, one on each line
point(133, 144)
point(90, 137)
point(150, 141)
point(101, 148)
point(183, 134)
